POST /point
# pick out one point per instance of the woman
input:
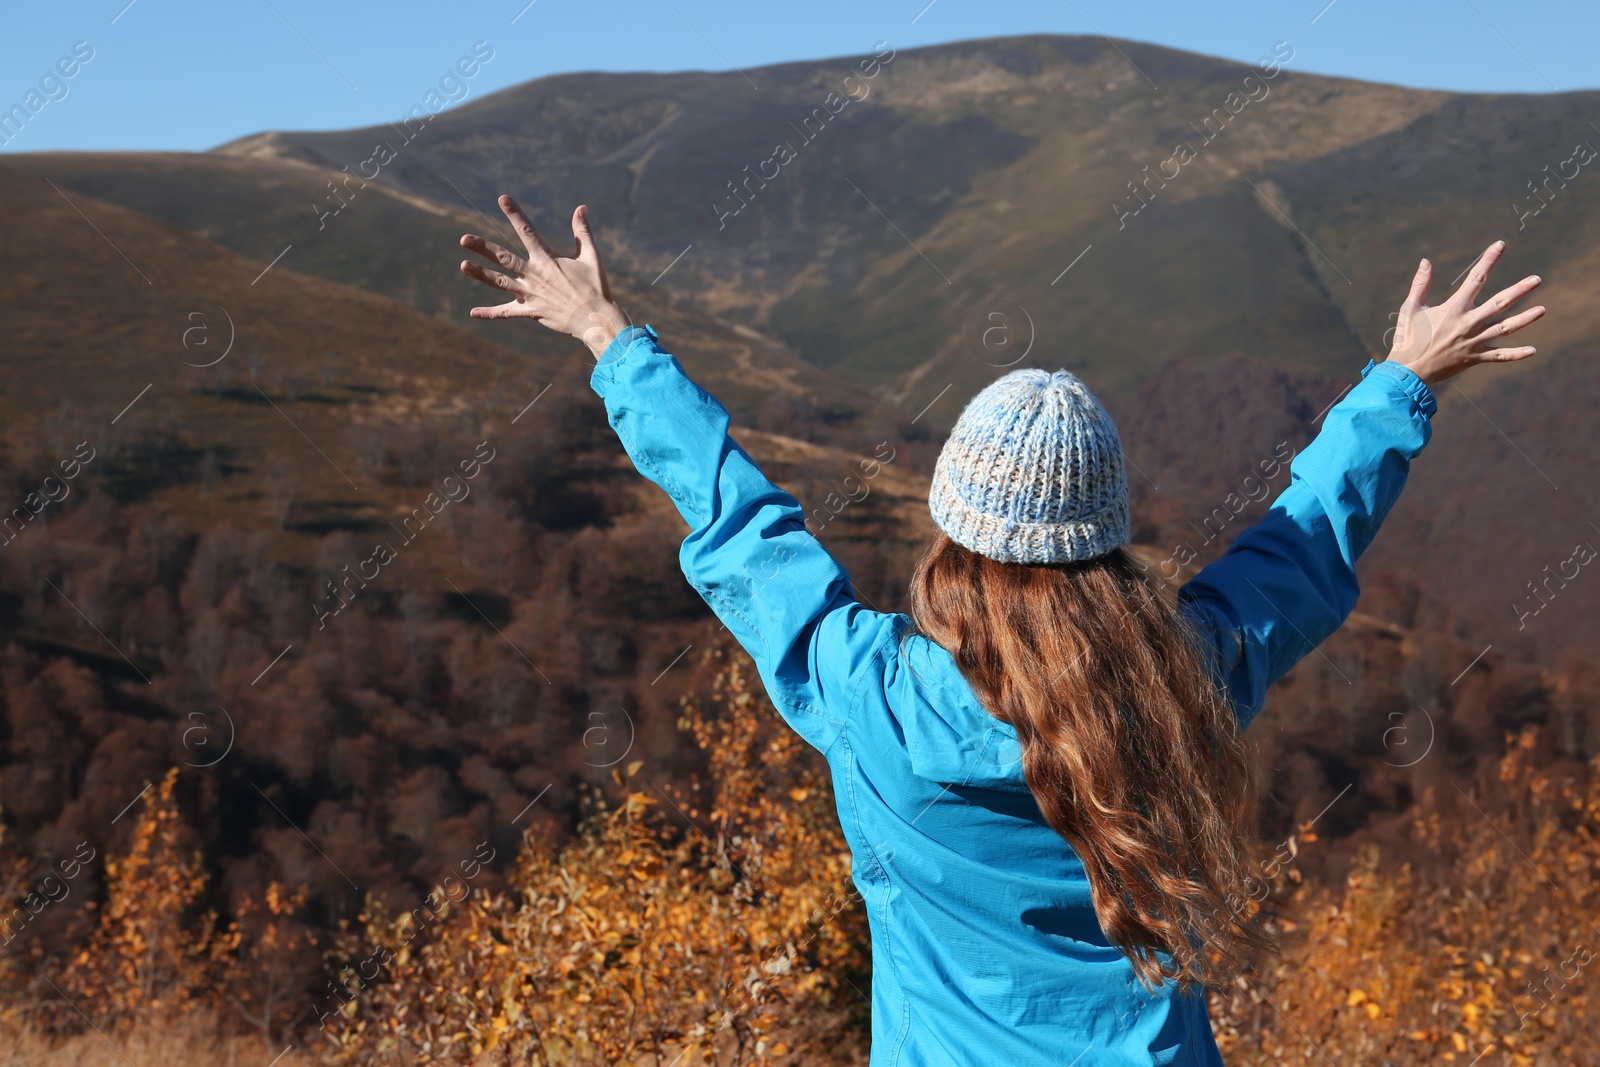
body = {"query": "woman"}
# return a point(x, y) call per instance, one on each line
point(1040, 772)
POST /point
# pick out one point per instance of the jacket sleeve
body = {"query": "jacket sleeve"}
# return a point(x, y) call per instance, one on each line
point(1288, 582)
point(748, 553)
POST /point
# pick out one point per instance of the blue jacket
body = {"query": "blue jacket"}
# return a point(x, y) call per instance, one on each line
point(985, 947)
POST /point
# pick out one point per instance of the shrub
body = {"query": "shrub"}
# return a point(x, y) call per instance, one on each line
point(723, 931)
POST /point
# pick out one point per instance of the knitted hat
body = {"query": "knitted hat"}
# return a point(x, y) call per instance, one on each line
point(1032, 473)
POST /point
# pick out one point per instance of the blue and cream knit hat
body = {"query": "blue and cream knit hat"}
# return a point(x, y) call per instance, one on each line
point(1032, 473)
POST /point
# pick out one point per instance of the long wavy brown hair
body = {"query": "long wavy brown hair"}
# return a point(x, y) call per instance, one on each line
point(1129, 748)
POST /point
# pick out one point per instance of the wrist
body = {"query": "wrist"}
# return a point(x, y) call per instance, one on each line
point(597, 325)
point(1426, 372)
point(598, 339)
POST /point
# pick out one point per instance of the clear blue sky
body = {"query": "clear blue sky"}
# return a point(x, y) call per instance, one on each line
point(188, 75)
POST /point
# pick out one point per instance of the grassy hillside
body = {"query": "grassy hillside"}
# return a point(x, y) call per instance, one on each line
point(404, 248)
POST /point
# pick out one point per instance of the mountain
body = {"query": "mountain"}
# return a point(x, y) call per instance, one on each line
point(960, 180)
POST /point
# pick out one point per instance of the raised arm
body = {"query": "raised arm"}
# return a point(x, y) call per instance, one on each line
point(748, 553)
point(1288, 582)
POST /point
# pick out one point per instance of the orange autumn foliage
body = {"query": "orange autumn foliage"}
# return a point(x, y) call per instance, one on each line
point(13, 887)
point(263, 974)
point(1491, 958)
point(718, 930)
point(150, 957)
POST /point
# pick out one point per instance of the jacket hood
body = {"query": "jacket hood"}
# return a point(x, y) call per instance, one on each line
point(950, 737)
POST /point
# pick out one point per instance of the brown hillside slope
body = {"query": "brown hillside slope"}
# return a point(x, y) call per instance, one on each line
point(404, 247)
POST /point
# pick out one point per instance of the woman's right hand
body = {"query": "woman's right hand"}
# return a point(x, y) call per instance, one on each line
point(1442, 341)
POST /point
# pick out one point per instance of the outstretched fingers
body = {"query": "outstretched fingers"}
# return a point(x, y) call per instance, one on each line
point(1418, 296)
point(1505, 298)
point(1479, 274)
point(493, 279)
point(538, 251)
point(1506, 355)
point(584, 248)
point(498, 311)
point(1507, 327)
point(507, 259)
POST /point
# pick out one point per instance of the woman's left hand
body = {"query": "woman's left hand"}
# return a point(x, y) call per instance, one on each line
point(569, 294)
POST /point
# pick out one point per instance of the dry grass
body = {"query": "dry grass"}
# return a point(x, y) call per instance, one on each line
point(182, 1043)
